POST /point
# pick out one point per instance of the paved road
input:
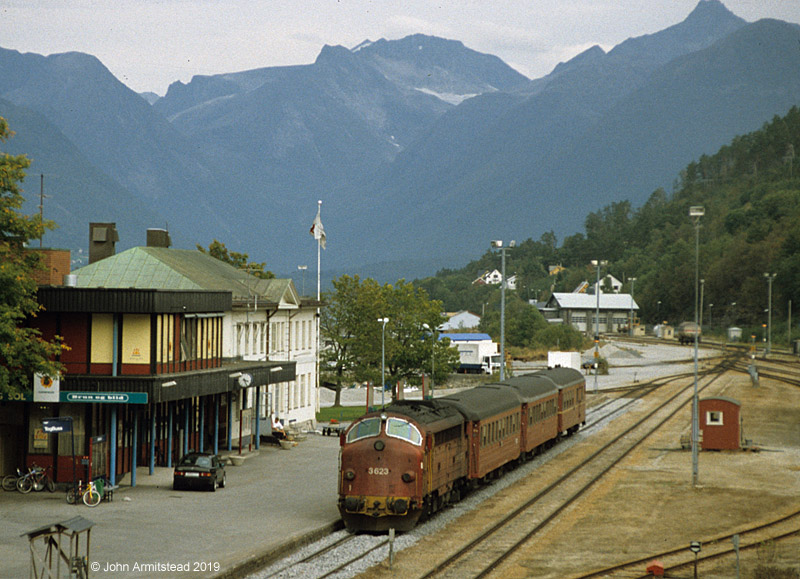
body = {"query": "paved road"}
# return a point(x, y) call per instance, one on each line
point(275, 498)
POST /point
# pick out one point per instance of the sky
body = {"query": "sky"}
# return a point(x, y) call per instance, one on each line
point(149, 44)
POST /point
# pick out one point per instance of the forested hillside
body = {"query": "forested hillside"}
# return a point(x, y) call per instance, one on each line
point(750, 190)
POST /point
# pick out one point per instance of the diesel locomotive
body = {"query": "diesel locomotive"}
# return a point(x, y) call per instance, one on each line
point(412, 458)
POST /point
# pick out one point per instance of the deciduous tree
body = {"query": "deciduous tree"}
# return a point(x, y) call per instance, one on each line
point(23, 352)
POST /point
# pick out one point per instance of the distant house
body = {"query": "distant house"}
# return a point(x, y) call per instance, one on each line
point(608, 281)
point(494, 277)
point(580, 311)
point(460, 321)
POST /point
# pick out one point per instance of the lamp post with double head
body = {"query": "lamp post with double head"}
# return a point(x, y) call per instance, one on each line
point(769, 277)
point(630, 317)
point(498, 244)
point(303, 268)
point(383, 358)
point(598, 263)
point(433, 355)
point(696, 212)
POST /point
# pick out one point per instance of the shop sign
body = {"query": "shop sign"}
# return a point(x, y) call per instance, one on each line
point(105, 397)
point(45, 388)
point(16, 397)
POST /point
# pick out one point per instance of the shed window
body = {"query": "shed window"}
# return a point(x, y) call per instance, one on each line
point(714, 418)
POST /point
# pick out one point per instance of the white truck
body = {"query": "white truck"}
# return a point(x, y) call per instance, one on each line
point(479, 354)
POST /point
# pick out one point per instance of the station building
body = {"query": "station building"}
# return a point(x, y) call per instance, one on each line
point(168, 351)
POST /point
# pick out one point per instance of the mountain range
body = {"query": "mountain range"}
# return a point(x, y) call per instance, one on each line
point(420, 149)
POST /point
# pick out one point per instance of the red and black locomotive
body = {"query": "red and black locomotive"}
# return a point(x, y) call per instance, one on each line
point(415, 456)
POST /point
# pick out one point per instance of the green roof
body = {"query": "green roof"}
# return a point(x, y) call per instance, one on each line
point(179, 269)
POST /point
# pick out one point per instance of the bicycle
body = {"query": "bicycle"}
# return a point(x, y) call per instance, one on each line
point(33, 479)
point(42, 481)
point(10, 481)
point(91, 493)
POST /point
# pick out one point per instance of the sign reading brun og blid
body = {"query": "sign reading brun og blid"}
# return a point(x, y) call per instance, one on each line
point(105, 397)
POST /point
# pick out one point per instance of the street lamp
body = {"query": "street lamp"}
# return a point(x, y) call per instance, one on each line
point(498, 244)
point(598, 263)
point(702, 293)
point(630, 317)
point(769, 277)
point(303, 268)
point(696, 212)
point(433, 355)
point(383, 358)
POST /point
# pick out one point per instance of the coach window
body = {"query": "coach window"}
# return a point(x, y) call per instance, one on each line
point(364, 429)
point(398, 428)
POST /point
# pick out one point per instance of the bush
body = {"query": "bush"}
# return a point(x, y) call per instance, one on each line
point(558, 337)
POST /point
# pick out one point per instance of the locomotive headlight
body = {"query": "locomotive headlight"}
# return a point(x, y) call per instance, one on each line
point(379, 445)
point(408, 477)
point(349, 474)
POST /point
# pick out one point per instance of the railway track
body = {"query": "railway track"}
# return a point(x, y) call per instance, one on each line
point(326, 558)
point(486, 553)
point(712, 548)
point(787, 372)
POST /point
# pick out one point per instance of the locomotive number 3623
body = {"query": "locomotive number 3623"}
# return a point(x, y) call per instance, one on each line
point(378, 470)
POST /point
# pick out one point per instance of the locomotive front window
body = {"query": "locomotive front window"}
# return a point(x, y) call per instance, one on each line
point(364, 429)
point(403, 429)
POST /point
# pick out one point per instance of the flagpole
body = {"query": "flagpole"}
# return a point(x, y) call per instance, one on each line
point(319, 244)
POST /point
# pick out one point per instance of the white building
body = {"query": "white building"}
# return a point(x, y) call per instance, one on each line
point(494, 277)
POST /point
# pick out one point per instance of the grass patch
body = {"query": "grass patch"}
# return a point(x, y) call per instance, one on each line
point(340, 413)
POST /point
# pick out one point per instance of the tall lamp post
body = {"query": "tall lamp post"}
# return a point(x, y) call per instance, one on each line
point(630, 318)
point(498, 244)
point(433, 355)
point(696, 212)
point(303, 268)
point(769, 277)
point(599, 263)
point(383, 358)
point(702, 294)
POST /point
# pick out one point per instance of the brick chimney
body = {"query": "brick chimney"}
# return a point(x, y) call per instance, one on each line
point(57, 264)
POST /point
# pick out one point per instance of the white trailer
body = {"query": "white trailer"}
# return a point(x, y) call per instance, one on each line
point(479, 354)
point(564, 360)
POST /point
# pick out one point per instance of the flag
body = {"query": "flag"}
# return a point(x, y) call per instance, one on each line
point(317, 230)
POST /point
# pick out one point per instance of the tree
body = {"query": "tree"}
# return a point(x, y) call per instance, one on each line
point(354, 337)
point(348, 317)
point(23, 352)
point(238, 260)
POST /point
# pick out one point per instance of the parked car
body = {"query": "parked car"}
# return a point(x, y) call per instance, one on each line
point(199, 470)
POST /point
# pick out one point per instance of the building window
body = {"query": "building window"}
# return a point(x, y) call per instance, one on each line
point(188, 339)
point(714, 418)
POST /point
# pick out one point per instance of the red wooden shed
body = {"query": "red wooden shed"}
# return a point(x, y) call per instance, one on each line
point(720, 423)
